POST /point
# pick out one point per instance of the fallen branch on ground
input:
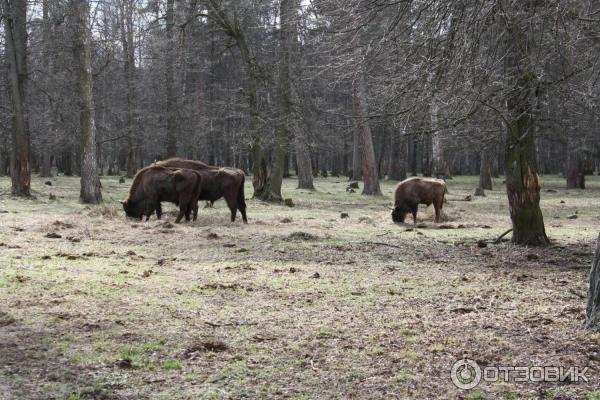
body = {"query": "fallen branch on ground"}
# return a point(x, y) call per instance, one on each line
point(501, 236)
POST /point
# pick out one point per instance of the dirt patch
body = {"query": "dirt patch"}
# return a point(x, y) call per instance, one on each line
point(301, 236)
point(203, 346)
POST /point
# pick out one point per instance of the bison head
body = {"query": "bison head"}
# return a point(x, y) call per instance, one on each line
point(132, 210)
point(398, 214)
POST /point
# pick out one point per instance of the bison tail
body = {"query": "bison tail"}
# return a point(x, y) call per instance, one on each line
point(241, 201)
point(241, 197)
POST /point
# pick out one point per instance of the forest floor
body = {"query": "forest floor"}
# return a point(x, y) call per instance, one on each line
point(300, 303)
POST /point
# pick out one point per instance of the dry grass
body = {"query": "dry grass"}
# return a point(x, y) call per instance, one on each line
point(299, 303)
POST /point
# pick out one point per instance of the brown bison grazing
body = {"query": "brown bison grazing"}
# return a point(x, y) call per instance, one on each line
point(414, 191)
point(154, 184)
point(216, 183)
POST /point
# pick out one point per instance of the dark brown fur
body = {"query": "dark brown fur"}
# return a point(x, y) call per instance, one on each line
point(414, 191)
point(154, 184)
point(216, 183)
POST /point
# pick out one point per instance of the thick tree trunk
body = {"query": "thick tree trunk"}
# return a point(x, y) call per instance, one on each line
point(485, 171)
point(522, 182)
point(90, 184)
point(365, 139)
point(170, 84)
point(15, 16)
point(592, 320)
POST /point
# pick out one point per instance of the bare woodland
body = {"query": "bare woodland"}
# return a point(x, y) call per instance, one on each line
point(502, 94)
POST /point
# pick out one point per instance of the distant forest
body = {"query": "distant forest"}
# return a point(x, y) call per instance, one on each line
point(369, 89)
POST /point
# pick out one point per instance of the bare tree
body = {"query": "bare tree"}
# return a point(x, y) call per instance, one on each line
point(169, 82)
point(15, 17)
point(90, 184)
point(126, 27)
point(522, 181)
point(365, 138)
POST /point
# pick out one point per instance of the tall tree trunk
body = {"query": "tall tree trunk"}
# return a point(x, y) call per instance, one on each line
point(287, 34)
point(45, 146)
point(304, 166)
point(439, 165)
point(15, 17)
point(575, 168)
point(426, 156)
point(592, 320)
point(398, 157)
point(169, 83)
point(365, 138)
point(414, 147)
point(485, 171)
point(232, 28)
point(128, 70)
point(90, 184)
point(356, 157)
point(522, 182)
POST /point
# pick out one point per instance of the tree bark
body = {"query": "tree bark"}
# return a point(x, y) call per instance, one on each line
point(485, 171)
point(304, 166)
point(365, 138)
point(575, 168)
point(169, 83)
point(356, 157)
point(90, 183)
point(287, 34)
point(426, 156)
point(45, 152)
point(439, 165)
point(15, 17)
point(398, 158)
point(522, 182)
point(129, 71)
point(232, 28)
point(592, 320)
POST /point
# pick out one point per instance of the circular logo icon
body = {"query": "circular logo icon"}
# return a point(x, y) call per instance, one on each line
point(466, 374)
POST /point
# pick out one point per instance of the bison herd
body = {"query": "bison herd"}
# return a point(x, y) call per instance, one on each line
point(185, 182)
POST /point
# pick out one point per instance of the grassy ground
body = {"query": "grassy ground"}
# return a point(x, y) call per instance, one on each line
point(299, 303)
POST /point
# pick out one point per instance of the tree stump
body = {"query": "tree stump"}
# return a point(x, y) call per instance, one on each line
point(592, 320)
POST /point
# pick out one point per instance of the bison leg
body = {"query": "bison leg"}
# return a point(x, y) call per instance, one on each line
point(195, 210)
point(158, 210)
point(233, 206)
point(233, 212)
point(414, 214)
point(242, 208)
point(438, 210)
point(181, 214)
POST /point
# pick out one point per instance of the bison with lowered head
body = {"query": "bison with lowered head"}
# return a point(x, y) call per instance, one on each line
point(154, 184)
point(414, 191)
point(217, 182)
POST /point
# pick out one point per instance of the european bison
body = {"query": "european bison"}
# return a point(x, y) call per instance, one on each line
point(217, 182)
point(414, 191)
point(154, 184)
